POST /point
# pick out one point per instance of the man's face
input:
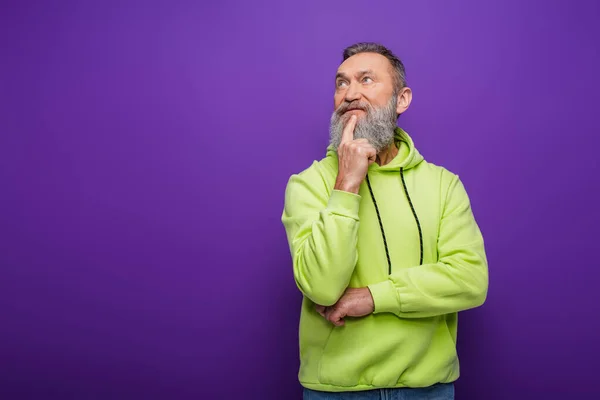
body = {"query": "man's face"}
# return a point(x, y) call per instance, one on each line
point(363, 80)
point(364, 87)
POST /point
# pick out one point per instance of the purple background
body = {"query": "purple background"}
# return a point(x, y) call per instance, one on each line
point(144, 152)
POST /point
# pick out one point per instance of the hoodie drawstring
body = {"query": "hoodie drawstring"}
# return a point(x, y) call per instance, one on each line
point(387, 253)
point(415, 215)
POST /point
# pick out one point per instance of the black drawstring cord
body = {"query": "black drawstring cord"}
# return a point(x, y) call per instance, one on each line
point(387, 253)
point(415, 215)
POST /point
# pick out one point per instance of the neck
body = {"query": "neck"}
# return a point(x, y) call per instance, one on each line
point(386, 155)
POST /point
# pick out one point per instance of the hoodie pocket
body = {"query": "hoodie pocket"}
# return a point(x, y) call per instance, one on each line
point(360, 353)
point(324, 352)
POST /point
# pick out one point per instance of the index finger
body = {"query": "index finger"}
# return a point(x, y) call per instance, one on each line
point(348, 132)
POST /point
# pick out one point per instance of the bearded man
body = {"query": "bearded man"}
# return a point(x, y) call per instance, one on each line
point(385, 248)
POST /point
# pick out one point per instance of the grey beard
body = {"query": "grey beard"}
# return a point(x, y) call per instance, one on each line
point(377, 125)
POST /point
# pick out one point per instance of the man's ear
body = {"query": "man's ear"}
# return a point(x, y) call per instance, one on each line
point(404, 99)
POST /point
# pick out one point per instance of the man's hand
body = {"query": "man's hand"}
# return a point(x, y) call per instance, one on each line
point(354, 303)
point(354, 158)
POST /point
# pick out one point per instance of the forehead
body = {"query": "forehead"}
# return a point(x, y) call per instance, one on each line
point(365, 61)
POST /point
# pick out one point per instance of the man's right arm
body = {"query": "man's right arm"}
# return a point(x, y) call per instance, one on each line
point(322, 232)
point(322, 229)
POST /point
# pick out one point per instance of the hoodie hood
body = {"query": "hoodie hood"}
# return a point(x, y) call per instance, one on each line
point(408, 156)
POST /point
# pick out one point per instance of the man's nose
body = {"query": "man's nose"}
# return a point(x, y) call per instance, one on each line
point(353, 92)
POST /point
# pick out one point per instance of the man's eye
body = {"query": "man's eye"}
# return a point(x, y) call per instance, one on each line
point(341, 84)
point(367, 79)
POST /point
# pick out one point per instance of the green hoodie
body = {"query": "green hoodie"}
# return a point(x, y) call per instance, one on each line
point(336, 242)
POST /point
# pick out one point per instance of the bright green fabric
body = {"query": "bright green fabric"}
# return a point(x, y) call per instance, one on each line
point(335, 243)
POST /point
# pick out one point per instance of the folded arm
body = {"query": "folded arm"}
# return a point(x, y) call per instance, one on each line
point(322, 232)
point(457, 282)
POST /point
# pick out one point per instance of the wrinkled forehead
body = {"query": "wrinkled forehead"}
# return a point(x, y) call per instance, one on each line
point(359, 63)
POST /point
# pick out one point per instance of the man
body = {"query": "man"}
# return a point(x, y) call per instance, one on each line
point(385, 248)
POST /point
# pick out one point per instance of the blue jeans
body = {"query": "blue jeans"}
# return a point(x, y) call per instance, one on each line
point(440, 391)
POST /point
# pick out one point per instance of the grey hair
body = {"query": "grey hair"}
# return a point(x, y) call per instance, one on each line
point(398, 71)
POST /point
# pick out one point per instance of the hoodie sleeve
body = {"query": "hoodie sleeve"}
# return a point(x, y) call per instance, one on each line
point(457, 282)
point(322, 232)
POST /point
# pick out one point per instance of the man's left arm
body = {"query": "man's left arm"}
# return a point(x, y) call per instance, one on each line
point(457, 282)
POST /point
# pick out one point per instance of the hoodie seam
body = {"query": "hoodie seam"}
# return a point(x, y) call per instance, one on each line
point(398, 385)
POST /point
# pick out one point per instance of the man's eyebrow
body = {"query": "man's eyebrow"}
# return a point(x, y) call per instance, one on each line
point(341, 75)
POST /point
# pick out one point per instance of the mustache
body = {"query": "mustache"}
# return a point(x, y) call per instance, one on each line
point(353, 105)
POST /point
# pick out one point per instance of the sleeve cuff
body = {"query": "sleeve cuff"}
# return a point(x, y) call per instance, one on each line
point(385, 297)
point(344, 203)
